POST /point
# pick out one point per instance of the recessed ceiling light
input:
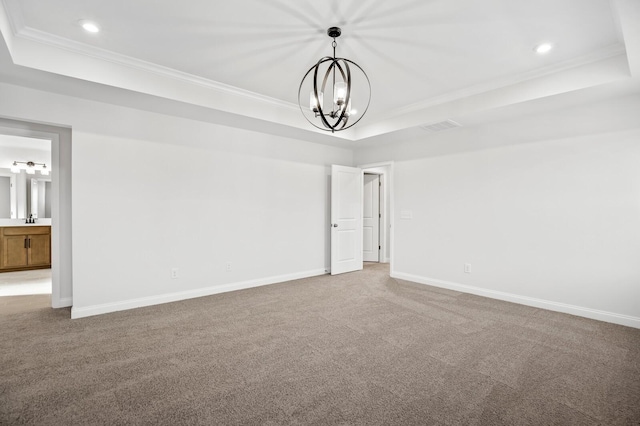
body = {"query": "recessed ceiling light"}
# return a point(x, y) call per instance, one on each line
point(90, 27)
point(543, 48)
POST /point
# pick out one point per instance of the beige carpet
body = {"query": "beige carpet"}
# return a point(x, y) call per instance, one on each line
point(359, 348)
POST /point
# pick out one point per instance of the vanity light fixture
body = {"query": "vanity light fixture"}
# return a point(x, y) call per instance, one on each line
point(29, 167)
point(338, 72)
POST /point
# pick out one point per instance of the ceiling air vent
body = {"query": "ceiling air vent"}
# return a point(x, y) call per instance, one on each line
point(438, 127)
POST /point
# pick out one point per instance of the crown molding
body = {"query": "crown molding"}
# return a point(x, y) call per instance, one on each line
point(28, 46)
point(592, 73)
point(13, 15)
point(18, 29)
point(44, 38)
point(600, 55)
point(8, 24)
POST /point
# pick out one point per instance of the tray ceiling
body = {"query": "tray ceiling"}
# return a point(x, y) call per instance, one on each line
point(427, 60)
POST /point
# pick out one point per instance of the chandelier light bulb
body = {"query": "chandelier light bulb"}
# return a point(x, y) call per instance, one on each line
point(15, 168)
point(340, 93)
point(313, 102)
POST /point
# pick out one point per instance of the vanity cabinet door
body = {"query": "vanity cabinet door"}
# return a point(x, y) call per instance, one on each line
point(14, 251)
point(25, 247)
point(39, 250)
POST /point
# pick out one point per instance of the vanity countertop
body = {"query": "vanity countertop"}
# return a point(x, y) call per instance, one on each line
point(20, 222)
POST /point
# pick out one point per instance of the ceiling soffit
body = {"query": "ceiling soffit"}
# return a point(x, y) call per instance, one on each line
point(48, 52)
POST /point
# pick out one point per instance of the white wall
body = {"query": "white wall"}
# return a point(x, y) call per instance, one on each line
point(548, 221)
point(152, 192)
point(553, 223)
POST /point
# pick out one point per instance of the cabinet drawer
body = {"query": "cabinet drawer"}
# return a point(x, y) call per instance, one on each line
point(27, 230)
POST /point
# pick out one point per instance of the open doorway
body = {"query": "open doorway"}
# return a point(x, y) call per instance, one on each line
point(346, 225)
point(371, 217)
point(382, 174)
point(25, 216)
point(59, 140)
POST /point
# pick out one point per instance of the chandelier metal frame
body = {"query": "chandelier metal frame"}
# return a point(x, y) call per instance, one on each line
point(338, 118)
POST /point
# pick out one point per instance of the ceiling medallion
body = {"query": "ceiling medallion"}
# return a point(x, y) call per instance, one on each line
point(337, 115)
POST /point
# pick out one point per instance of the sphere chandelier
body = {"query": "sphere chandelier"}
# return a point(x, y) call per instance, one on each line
point(342, 113)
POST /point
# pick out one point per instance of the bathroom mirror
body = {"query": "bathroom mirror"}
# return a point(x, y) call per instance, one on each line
point(8, 199)
point(22, 194)
point(6, 210)
point(39, 198)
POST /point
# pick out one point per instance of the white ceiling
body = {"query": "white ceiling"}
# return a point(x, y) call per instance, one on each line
point(10, 141)
point(428, 60)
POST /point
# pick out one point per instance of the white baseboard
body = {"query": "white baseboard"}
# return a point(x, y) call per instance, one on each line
point(612, 317)
point(87, 311)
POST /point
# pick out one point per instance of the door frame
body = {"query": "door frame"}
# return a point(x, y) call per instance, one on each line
point(388, 223)
point(61, 241)
point(380, 223)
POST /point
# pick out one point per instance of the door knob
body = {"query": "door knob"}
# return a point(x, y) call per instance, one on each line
point(335, 225)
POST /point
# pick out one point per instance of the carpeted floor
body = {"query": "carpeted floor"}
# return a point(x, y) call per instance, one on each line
point(359, 348)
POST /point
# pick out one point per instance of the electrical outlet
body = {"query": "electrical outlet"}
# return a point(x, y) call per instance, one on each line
point(467, 268)
point(174, 273)
point(228, 266)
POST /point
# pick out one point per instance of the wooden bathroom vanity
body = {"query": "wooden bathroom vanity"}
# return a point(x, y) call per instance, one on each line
point(25, 247)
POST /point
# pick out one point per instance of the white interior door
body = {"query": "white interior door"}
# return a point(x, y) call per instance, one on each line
point(371, 219)
point(346, 219)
